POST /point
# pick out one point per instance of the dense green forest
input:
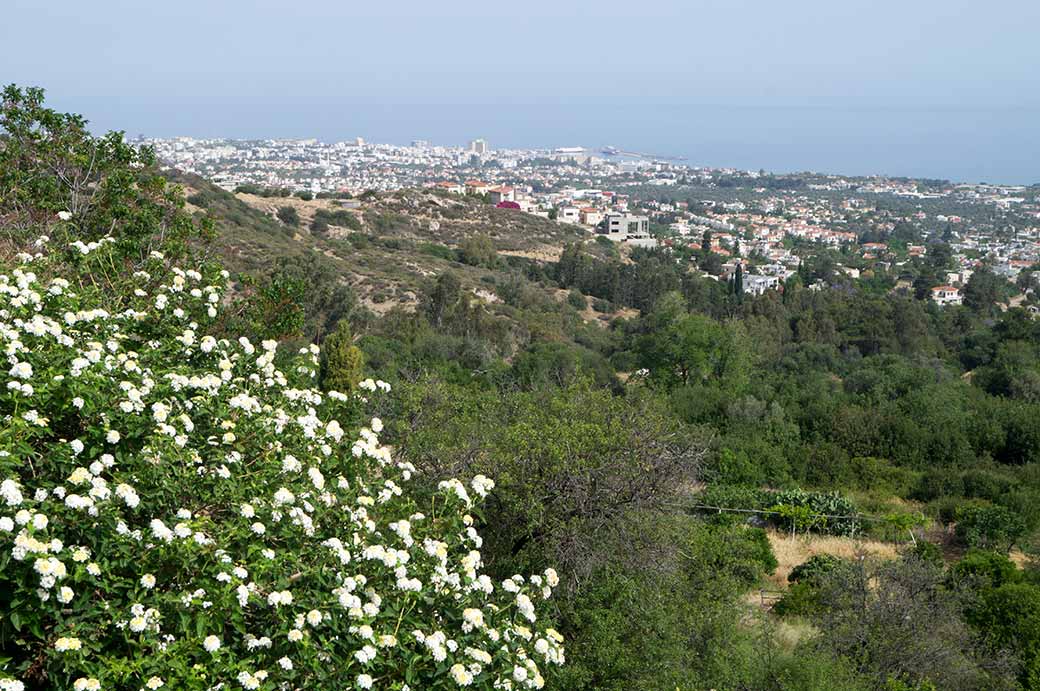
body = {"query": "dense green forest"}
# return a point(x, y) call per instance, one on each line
point(840, 412)
point(654, 459)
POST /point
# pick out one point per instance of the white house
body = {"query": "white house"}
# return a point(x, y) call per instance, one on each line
point(450, 187)
point(755, 284)
point(501, 194)
point(568, 214)
point(946, 295)
point(477, 187)
point(591, 216)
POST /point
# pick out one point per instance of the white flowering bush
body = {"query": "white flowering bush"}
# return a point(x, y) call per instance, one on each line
point(178, 512)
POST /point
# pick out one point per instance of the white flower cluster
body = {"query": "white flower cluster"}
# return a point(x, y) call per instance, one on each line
point(245, 537)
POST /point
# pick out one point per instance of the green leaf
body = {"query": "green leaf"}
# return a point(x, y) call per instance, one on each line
point(37, 630)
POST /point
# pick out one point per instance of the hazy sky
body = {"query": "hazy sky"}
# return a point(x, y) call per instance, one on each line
point(949, 88)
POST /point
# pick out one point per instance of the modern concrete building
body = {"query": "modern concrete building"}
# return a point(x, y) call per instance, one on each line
point(618, 227)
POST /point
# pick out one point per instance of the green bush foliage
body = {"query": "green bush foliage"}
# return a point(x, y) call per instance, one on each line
point(989, 527)
point(288, 215)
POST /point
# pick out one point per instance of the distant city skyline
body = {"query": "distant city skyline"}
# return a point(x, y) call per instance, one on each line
point(936, 89)
point(967, 145)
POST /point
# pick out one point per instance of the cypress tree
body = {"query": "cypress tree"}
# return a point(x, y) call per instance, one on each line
point(342, 362)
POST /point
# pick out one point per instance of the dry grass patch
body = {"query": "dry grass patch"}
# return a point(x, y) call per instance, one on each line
point(1020, 558)
point(790, 633)
point(542, 254)
point(305, 209)
point(792, 551)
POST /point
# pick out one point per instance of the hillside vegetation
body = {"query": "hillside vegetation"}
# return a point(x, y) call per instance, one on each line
point(663, 447)
point(386, 247)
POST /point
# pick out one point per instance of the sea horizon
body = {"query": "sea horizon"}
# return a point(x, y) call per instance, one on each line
point(965, 145)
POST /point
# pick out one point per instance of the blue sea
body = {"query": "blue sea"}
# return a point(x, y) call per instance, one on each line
point(981, 145)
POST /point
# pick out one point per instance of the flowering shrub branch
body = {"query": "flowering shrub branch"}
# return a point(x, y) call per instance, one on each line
point(178, 512)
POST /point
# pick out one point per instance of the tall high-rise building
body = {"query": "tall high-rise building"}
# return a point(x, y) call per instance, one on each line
point(478, 146)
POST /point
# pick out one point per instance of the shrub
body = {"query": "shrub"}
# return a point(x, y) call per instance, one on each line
point(359, 240)
point(814, 569)
point(735, 466)
point(558, 363)
point(801, 599)
point(478, 250)
point(936, 484)
point(989, 527)
point(436, 250)
point(288, 215)
point(928, 552)
point(733, 496)
point(898, 619)
point(177, 511)
point(103, 186)
point(340, 217)
point(198, 199)
point(1008, 617)
point(762, 550)
point(983, 570)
